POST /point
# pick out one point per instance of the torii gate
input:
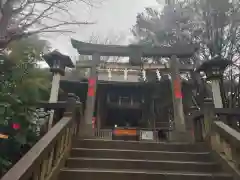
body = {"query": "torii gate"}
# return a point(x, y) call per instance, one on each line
point(135, 53)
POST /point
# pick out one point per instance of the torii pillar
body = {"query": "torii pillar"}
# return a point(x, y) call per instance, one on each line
point(87, 128)
point(179, 119)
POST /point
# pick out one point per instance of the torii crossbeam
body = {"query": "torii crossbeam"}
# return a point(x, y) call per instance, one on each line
point(181, 51)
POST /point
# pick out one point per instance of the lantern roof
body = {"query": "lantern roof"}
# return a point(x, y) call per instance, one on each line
point(214, 63)
point(56, 55)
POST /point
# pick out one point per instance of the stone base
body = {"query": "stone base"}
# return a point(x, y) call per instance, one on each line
point(177, 136)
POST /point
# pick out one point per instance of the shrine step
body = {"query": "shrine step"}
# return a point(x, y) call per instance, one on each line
point(137, 154)
point(128, 160)
point(142, 146)
point(180, 166)
point(90, 174)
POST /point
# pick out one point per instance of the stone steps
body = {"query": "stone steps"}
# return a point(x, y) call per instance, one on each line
point(102, 160)
point(100, 163)
point(92, 174)
point(137, 154)
point(144, 146)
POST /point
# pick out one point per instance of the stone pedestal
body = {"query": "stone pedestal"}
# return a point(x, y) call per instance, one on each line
point(217, 98)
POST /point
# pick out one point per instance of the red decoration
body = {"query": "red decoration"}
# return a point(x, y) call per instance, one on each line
point(91, 86)
point(177, 88)
point(91, 91)
point(16, 126)
point(91, 82)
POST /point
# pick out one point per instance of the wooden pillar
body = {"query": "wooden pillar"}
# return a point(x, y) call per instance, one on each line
point(209, 117)
point(91, 96)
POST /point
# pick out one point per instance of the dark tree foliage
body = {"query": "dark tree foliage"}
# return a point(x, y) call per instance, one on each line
point(23, 83)
point(212, 24)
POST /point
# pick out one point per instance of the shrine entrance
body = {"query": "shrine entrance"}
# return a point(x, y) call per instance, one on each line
point(124, 105)
point(121, 117)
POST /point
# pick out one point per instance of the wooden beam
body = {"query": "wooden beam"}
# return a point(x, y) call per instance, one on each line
point(88, 64)
point(181, 51)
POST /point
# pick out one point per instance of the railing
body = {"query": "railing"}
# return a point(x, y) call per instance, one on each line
point(226, 142)
point(103, 134)
point(202, 120)
point(218, 127)
point(48, 155)
point(144, 134)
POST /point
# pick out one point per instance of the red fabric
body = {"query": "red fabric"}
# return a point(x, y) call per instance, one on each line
point(91, 82)
point(91, 92)
point(91, 87)
point(177, 88)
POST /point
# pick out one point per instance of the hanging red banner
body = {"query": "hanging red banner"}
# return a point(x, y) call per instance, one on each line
point(91, 91)
point(91, 87)
point(91, 82)
point(177, 88)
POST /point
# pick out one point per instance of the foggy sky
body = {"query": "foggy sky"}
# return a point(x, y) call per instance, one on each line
point(112, 18)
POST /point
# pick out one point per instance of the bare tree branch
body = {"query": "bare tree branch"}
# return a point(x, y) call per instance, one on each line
point(20, 18)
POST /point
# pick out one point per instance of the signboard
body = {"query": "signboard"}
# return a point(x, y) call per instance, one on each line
point(147, 135)
point(125, 132)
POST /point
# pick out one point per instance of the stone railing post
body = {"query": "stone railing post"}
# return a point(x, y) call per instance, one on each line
point(209, 117)
point(73, 111)
point(71, 102)
point(196, 125)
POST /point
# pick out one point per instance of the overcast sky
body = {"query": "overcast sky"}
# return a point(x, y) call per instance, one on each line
point(113, 17)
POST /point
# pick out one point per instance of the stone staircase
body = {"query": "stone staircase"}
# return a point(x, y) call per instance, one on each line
point(122, 160)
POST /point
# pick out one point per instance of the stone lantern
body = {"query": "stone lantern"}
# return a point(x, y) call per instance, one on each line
point(214, 70)
point(57, 63)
